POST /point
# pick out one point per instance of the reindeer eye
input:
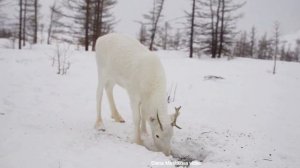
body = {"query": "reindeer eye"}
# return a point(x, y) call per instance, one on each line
point(157, 136)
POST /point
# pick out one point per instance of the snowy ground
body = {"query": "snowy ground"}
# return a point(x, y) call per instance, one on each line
point(248, 119)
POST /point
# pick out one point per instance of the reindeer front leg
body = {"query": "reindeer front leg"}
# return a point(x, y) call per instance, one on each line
point(143, 126)
point(135, 106)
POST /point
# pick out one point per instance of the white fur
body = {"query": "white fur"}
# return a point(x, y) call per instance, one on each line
point(124, 61)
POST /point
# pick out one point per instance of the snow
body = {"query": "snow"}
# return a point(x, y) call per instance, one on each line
point(5, 43)
point(248, 119)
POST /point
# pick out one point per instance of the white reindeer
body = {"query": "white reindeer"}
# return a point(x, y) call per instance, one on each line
point(124, 61)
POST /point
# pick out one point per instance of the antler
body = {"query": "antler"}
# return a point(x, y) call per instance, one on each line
point(160, 125)
point(175, 117)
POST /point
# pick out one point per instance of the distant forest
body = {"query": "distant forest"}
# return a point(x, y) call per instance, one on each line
point(209, 28)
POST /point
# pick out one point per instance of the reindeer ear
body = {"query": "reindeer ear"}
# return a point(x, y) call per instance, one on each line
point(152, 119)
point(177, 109)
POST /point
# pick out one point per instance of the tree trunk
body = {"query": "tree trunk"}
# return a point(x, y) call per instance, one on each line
point(252, 41)
point(222, 30)
point(212, 26)
point(275, 59)
point(97, 23)
point(100, 24)
point(20, 23)
point(35, 22)
point(155, 25)
point(166, 36)
point(50, 25)
point(192, 29)
point(86, 27)
point(24, 22)
point(276, 45)
point(215, 46)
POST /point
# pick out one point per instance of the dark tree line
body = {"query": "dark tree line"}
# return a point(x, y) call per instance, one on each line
point(210, 25)
point(266, 47)
point(167, 37)
point(2, 14)
point(210, 28)
point(74, 21)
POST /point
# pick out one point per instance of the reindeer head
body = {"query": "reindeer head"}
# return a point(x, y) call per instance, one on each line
point(162, 130)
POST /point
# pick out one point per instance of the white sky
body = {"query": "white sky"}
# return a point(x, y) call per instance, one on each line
point(263, 13)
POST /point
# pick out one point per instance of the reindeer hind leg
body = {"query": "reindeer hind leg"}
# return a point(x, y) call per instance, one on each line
point(99, 123)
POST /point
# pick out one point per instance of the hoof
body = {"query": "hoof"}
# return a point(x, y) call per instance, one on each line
point(99, 126)
point(118, 119)
point(139, 142)
point(101, 129)
point(121, 121)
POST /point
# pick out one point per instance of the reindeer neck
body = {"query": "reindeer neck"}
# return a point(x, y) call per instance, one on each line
point(155, 104)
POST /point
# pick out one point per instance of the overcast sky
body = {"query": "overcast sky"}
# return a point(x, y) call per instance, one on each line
point(261, 13)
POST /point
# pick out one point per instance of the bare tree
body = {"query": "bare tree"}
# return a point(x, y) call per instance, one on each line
point(24, 21)
point(143, 33)
point(216, 38)
point(242, 47)
point(77, 14)
point(42, 29)
point(97, 21)
point(20, 22)
point(276, 43)
point(264, 45)
point(54, 23)
point(176, 40)
point(90, 19)
point(297, 50)
point(252, 41)
point(288, 54)
point(103, 19)
point(52, 9)
point(192, 29)
point(86, 24)
point(206, 26)
point(165, 35)
point(152, 19)
point(157, 15)
point(218, 26)
point(30, 18)
point(35, 21)
point(209, 26)
point(60, 59)
point(3, 3)
point(227, 24)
